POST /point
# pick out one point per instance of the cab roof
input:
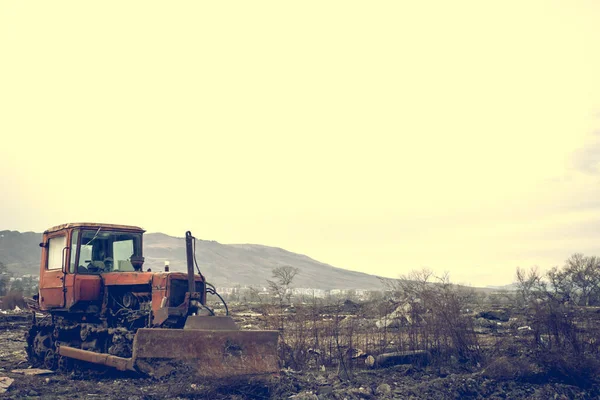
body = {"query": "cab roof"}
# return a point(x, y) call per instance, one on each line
point(94, 225)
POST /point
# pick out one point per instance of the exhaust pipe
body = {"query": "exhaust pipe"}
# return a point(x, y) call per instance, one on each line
point(189, 250)
point(193, 296)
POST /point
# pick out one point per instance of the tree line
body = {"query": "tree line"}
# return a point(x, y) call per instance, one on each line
point(577, 282)
point(25, 286)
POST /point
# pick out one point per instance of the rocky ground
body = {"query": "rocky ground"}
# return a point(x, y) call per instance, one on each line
point(400, 382)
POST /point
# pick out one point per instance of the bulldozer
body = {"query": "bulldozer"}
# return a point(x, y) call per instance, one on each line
point(97, 306)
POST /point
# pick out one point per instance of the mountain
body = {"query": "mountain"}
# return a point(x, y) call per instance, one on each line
point(509, 287)
point(20, 252)
point(223, 264)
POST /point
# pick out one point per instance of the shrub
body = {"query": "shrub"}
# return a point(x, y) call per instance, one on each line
point(505, 368)
point(13, 299)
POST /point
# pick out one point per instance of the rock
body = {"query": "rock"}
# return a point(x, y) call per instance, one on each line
point(361, 393)
point(325, 390)
point(401, 316)
point(350, 307)
point(484, 323)
point(32, 393)
point(391, 322)
point(321, 380)
point(5, 383)
point(383, 390)
point(495, 315)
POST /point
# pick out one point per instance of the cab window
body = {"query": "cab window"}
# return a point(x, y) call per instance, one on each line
point(107, 251)
point(55, 252)
point(73, 263)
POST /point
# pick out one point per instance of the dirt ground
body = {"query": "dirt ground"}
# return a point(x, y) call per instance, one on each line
point(399, 382)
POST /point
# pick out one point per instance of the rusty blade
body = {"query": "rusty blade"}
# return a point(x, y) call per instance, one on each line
point(209, 353)
point(212, 323)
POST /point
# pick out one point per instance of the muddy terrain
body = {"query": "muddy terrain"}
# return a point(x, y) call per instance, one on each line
point(501, 377)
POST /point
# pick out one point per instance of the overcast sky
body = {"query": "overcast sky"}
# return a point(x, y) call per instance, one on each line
point(381, 137)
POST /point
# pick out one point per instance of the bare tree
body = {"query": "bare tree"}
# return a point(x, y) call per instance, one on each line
point(563, 288)
point(4, 279)
point(280, 287)
point(584, 273)
point(282, 281)
point(529, 284)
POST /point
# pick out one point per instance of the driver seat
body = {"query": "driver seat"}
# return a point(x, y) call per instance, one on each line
point(98, 264)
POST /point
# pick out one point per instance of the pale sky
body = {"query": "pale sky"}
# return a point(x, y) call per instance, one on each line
point(381, 137)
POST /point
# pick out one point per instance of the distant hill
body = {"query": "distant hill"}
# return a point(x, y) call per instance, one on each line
point(20, 252)
point(509, 287)
point(222, 264)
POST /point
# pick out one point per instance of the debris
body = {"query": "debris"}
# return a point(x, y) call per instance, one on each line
point(524, 328)
point(289, 371)
point(495, 315)
point(356, 353)
point(314, 351)
point(5, 383)
point(361, 393)
point(350, 306)
point(32, 371)
point(325, 391)
point(402, 315)
point(400, 357)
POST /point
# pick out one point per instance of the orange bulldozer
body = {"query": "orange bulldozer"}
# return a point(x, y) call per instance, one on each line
point(97, 305)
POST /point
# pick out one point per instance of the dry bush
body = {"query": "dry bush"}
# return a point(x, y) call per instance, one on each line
point(314, 335)
point(565, 335)
point(337, 333)
point(557, 324)
point(508, 368)
point(13, 299)
point(570, 368)
point(435, 318)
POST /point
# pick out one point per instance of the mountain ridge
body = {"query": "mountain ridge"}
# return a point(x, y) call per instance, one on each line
point(225, 265)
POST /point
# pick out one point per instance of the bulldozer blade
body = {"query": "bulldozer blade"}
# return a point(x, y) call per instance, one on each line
point(207, 353)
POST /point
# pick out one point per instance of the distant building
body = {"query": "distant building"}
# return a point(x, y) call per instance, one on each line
point(320, 293)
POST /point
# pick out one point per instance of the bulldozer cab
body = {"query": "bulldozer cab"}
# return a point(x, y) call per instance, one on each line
point(74, 255)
